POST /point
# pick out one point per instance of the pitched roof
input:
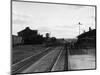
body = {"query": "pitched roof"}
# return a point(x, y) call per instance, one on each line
point(91, 33)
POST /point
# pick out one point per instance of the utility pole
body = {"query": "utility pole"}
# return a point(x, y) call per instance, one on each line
point(79, 27)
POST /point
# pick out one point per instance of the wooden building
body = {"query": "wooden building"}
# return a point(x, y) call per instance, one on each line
point(16, 40)
point(87, 39)
point(30, 36)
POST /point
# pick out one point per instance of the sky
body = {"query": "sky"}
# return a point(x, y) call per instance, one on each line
point(61, 21)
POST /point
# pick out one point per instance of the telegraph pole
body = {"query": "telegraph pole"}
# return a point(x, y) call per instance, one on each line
point(79, 27)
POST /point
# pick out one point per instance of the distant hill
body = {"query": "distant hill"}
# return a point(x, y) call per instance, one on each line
point(71, 40)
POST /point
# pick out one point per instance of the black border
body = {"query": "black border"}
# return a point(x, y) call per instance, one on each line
point(59, 4)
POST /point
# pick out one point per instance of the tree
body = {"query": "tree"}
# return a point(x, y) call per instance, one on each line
point(47, 35)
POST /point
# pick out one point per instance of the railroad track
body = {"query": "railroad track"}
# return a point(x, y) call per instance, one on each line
point(19, 66)
point(47, 61)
